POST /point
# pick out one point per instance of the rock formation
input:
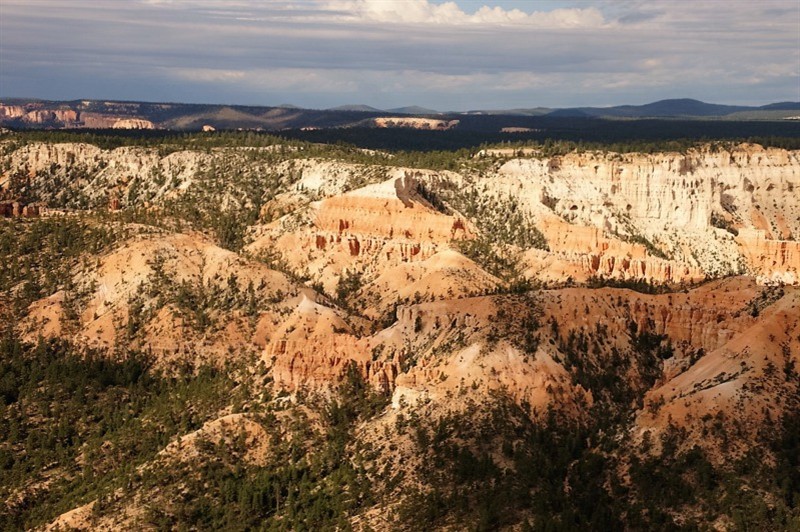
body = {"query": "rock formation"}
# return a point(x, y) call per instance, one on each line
point(416, 123)
point(133, 123)
point(664, 217)
point(16, 209)
point(671, 201)
point(12, 111)
point(497, 320)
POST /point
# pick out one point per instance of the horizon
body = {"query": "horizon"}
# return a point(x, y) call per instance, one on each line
point(337, 107)
point(448, 56)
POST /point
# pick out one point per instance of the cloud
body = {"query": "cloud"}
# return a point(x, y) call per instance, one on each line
point(450, 14)
point(298, 80)
point(395, 52)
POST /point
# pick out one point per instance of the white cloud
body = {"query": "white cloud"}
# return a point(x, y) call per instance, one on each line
point(300, 80)
point(402, 51)
point(208, 75)
point(450, 14)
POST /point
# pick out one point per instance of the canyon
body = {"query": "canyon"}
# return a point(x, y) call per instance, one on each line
point(643, 306)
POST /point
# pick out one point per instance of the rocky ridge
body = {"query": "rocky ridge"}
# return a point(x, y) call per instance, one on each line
point(666, 218)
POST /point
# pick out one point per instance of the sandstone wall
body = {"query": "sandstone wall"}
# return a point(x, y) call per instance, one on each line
point(686, 205)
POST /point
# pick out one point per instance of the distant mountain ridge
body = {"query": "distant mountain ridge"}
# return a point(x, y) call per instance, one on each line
point(673, 108)
point(414, 110)
point(99, 114)
point(356, 107)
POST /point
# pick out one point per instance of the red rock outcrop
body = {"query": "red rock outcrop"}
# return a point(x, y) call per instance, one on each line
point(773, 261)
point(580, 252)
point(736, 383)
point(98, 120)
point(319, 364)
point(16, 209)
point(64, 116)
point(388, 210)
point(12, 111)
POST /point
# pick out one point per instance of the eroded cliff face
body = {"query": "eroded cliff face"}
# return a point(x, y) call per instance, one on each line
point(743, 380)
point(658, 217)
point(670, 218)
point(178, 296)
point(663, 191)
point(12, 111)
point(546, 353)
point(43, 117)
point(772, 261)
point(583, 252)
point(35, 115)
point(83, 175)
point(683, 207)
point(366, 232)
point(133, 123)
point(416, 123)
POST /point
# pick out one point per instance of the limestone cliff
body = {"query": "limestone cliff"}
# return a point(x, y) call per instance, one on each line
point(666, 217)
point(416, 123)
point(41, 117)
point(684, 207)
point(133, 123)
point(12, 111)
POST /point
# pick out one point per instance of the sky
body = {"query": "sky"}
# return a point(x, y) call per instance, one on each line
point(445, 55)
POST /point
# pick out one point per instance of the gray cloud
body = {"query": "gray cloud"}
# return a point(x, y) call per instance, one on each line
point(395, 52)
